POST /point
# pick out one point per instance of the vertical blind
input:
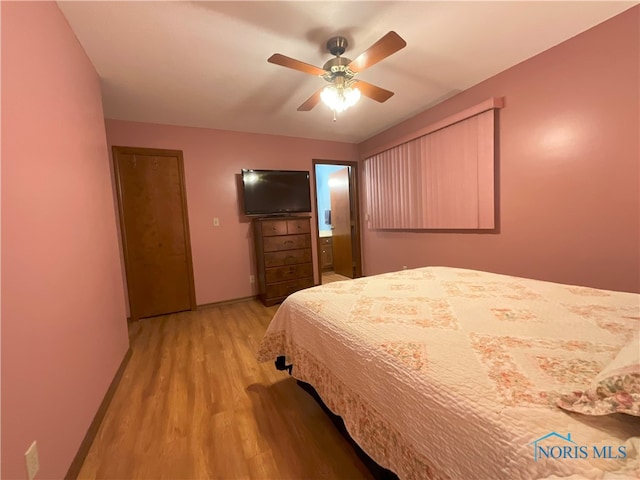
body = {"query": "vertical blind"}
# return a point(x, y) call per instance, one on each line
point(443, 180)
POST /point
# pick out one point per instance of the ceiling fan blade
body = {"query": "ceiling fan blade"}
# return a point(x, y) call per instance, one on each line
point(311, 102)
point(376, 93)
point(387, 45)
point(289, 62)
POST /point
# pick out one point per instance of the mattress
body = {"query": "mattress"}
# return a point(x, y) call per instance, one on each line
point(446, 373)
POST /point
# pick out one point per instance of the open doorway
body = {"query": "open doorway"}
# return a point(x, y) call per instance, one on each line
point(338, 239)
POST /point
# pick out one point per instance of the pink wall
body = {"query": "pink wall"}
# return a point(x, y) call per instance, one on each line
point(64, 332)
point(568, 169)
point(223, 257)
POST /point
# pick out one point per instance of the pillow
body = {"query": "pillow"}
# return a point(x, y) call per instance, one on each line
point(615, 389)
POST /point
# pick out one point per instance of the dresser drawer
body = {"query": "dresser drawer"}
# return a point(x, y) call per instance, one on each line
point(290, 257)
point(284, 289)
point(280, 274)
point(298, 226)
point(274, 227)
point(287, 242)
point(325, 241)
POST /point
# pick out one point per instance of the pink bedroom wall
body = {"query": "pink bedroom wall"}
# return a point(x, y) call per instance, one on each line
point(223, 257)
point(64, 328)
point(568, 169)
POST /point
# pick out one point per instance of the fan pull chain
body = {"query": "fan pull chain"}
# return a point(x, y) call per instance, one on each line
point(334, 116)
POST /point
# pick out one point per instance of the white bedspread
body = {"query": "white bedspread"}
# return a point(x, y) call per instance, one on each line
point(450, 373)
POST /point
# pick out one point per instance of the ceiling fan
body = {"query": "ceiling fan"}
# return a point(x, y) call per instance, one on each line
point(344, 88)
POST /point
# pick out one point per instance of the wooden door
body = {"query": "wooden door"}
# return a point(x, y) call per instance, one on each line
point(155, 230)
point(341, 222)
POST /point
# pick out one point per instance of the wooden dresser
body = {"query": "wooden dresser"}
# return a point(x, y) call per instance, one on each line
point(283, 256)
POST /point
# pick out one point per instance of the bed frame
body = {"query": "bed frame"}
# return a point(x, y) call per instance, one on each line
point(378, 472)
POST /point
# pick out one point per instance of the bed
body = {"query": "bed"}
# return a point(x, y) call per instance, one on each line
point(447, 373)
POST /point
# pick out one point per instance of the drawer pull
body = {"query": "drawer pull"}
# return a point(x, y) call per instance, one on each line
point(286, 242)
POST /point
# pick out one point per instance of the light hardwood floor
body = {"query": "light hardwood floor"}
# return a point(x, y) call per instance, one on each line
point(194, 403)
point(328, 277)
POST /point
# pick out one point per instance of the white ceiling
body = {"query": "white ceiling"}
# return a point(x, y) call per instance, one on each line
point(204, 64)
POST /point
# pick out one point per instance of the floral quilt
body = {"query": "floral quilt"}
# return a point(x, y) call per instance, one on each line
point(446, 373)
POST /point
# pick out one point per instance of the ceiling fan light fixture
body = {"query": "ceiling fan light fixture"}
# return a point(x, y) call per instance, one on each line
point(341, 71)
point(339, 98)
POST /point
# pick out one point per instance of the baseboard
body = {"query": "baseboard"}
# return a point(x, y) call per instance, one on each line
point(76, 464)
point(206, 305)
point(228, 302)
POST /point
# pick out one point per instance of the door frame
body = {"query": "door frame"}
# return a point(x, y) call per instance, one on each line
point(116, 151)
point(355, 214)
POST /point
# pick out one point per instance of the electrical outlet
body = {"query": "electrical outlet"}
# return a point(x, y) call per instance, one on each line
point(252, 279)
point(31, 458)
point(216, 222)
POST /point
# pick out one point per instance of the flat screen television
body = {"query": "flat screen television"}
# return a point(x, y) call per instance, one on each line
point(275, 192)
